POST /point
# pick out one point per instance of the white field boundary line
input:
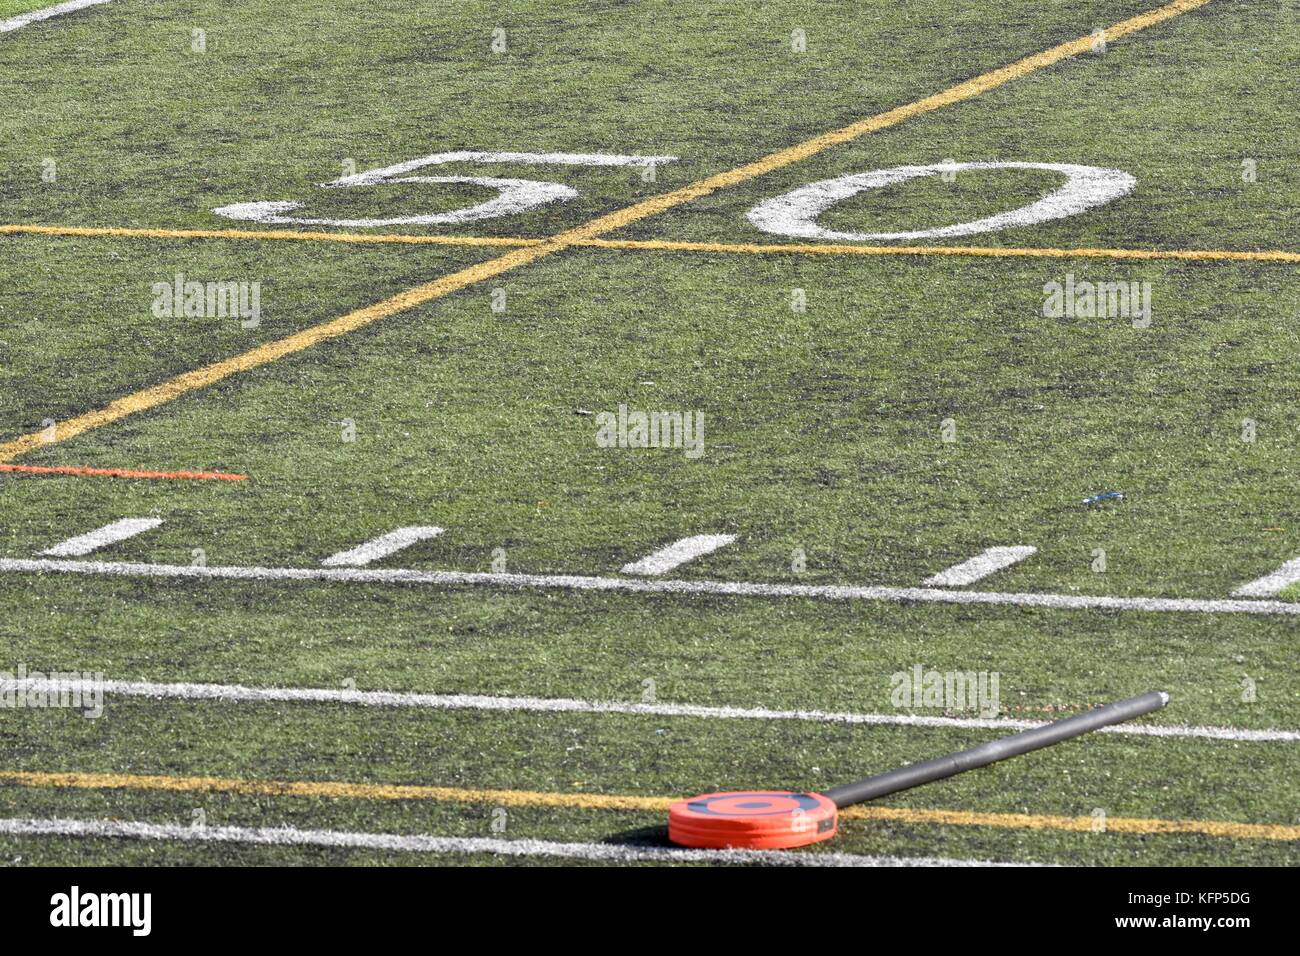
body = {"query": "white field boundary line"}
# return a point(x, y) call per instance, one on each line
point(421, 843)
point(239, 693)
point(831, 592)
point(35, 16)
point(981, 566)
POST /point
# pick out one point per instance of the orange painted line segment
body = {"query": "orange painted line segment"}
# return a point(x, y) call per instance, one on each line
point(121, 473)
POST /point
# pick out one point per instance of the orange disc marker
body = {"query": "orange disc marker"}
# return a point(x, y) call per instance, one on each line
point(768, 820)
point(780, 819)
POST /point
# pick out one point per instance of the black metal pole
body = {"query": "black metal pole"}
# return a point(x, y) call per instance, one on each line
point(904, 778)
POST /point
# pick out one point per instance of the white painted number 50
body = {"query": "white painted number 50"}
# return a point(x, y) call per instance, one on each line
point(513, 195)
point(792, 214)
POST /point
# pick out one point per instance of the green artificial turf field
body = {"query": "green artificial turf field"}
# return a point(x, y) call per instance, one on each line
point(869, 420)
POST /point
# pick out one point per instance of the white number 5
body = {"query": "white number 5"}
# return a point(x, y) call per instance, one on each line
point(514, 195)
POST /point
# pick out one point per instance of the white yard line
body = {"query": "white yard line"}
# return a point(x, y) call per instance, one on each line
point(678, 553)
point(381, 547)
point(23, 19)
point(422, 843)
point(980, 566)
point(102, 537)
point(1271, 584)
point(829, 592)
point(239, 693)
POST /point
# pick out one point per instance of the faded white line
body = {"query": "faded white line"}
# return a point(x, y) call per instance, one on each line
point(102, 537)
point(828, 592)
point(239, 693)
point(422, 843)
point(1271, 584)
point(381, 547)
point(980, 566)
point(678, 553)
point(23, 19)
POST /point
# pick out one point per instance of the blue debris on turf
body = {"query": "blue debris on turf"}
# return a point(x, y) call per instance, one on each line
point(1104, 496)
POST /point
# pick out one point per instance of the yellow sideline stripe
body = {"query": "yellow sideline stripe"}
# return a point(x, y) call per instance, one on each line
point(156, 395)
point(992, 252)
point(597, 801)
point(1033, 821)
point(333, 790)
point(675, 245)
point(96, 232)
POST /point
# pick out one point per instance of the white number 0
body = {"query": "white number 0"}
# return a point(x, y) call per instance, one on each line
point(795, 213)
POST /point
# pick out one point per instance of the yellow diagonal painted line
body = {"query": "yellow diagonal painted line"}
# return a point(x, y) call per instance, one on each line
point(673, 245)
point(873, 124)
point(598, 801)
point(174, 388)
